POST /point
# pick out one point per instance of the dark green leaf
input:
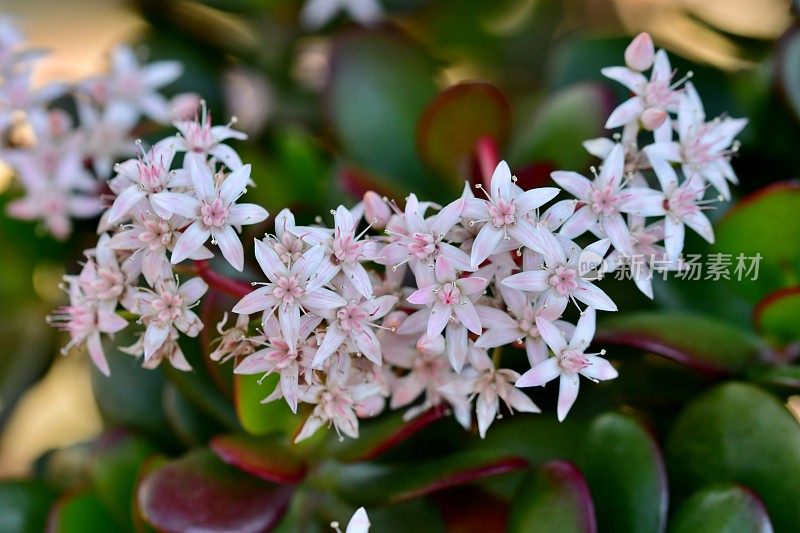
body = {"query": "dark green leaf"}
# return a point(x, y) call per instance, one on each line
point(698, 341)
point(558, 127)
point(738, 433)
point(788, 69)
point(24, 505)
point(82, 513)
point(459, 116)
point(554, 499)
point(776, 315)
point(379, 85)
point(625, 472)
point(267, 457)
point(199, 492)
point(755, 226)
point(722, 509)
point(257, 418)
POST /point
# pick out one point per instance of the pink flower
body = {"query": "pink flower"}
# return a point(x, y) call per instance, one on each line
point(604, 200)
point(289, 289)
point(704, 149)
point(278, 356)
point(505, 213)
point(640, 53)
point(170, 350)
point(138, 179)
point(233, 342)
point(518, 324)
point(491, 385)
point(421, 243)
point(680, 204)
point(137, 85)
point(107, 134)
point(652, 100)
point(344, 249)
point(168, 307)
point(214, 213)
point(85, 320)
point(200, 140)
point(352, 324)
point(568, 362)
point(562, 277)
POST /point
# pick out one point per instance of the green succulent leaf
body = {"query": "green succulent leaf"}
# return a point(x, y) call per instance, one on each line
point(83, 513)
point(199, 492)
point(380, 83)
point(24, 505)
point(737, 433)
point(373, 483)
point(559, 125)
point(625, 470)
point(267, 458)
point(257, 418)
point(555, 498)
point(452, 124)
point(750, 228)
point(776, 315)
point(722, 509)
point(697, 341)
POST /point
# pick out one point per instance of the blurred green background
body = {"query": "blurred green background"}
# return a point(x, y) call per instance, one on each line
point(333, 112)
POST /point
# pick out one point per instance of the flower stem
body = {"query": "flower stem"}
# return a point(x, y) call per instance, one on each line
point(221, 282)
point(496, 354)
point(488, 157)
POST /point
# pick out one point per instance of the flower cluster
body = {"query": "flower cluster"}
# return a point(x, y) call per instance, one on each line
point(406, 307)
point(60, 165)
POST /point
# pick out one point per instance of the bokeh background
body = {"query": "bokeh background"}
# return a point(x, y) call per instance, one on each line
point(250, 58)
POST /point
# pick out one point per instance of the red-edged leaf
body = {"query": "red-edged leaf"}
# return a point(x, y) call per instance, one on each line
point(467, 509)
point(266, 458)
point(776, 315)
point(722, 507)
point(380, 436)
point(553, 499)
point(371, 483)
point(456, 119)
point(699, 342)
point(199, 492)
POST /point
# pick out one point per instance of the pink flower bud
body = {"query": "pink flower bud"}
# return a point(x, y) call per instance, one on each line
point(431, 347)
point(376, 211)
point(653, 117)
point(639, 54)
point(183, 106)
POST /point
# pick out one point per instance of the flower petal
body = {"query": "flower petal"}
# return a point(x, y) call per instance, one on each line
point(245, 214)
point(189, 242)
point(180, 204)
point(542, 373)
point(567, 394)
point(231, 247)
point(532, 280)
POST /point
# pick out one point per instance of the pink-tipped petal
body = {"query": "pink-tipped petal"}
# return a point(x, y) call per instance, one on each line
point(189, 242)
point(532, 280)
point(567, 394)
point(468, 316)
point(553, 336)
point(95, 349)
point(541, 374)
point(640, 53)
point(485, 244)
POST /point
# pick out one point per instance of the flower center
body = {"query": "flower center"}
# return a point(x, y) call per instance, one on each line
point(168, 307)
point(214, 214)
point(157, 234)
point(502, 213)
point(346, 249)
point(287, 290)
point(449, 294)
point(422, 245)
point(352, 318)
point(573, 361)
point(108, 284)
point(152, 178)
point(604, 201)
point(563, 280)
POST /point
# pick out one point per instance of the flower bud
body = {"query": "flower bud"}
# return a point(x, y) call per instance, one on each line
point(431, 347)
point(652, 118)
point(183, 106)
point(640, 53)
point(376, 211)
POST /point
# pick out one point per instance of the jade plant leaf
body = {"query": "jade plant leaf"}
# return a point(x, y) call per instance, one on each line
point(267, 458)
point(555, 498)
point(722, 509)
point(738, 433)
point(373, 483)
point(625, 470)
point(24, 505)
point(257, 418)
point(555, 131)
point(788, 69)
point(83, 513)
point(750, 228)
point(452, 124)
point(697, 341)
point(776, 315)
point(199, 492)
point(380, 83)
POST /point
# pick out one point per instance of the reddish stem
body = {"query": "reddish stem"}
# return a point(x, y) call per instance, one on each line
point(488, 157)
point(221, 282)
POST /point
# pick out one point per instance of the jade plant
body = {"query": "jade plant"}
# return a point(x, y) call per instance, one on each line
point(412, 355)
